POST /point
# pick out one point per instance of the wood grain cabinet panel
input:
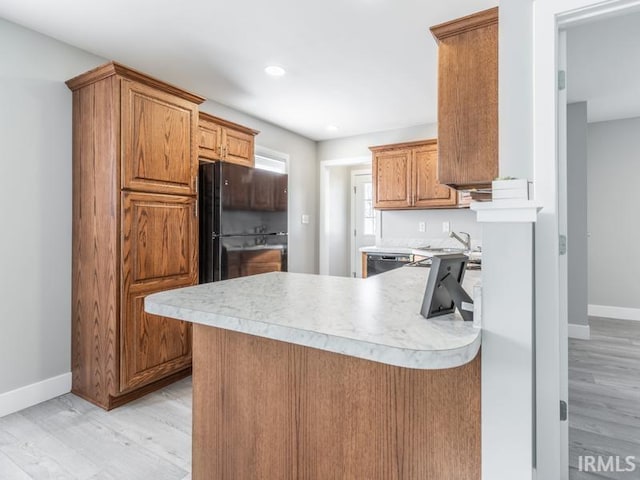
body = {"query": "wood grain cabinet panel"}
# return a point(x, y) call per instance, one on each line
point(210, 140)
point(265, 409)
point(159, 238)
point(392, 178)
point(226, 141)
point(238, 147)
point(152, 347)
point(468, 100)
point(428, 191)
point(134, 230)
point(405, 177)
point(158, 135)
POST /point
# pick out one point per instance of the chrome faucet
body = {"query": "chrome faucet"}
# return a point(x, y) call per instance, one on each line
point(466, 241)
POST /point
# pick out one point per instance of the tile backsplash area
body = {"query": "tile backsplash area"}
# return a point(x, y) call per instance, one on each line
point(402, 227)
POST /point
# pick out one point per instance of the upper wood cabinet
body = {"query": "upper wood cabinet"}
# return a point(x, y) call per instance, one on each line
point(404, 177)
point(159, 148)
point(226, 141)
point(135, 161)
point(468, 100)
point(428, 192)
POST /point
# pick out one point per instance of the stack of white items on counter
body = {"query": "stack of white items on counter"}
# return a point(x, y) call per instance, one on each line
point(510, 189)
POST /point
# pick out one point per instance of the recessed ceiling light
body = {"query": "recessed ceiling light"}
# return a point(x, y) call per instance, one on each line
point(332, 128)
point(275, 71)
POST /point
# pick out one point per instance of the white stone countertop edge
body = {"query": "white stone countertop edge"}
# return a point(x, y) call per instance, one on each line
point(387, 354)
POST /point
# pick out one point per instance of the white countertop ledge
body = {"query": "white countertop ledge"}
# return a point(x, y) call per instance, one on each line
point(374, 319)
point(507, 211)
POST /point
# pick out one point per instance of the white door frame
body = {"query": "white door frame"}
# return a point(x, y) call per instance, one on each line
point(323, 240)
point(549, 16)
point(563, 273)
point(354, 257)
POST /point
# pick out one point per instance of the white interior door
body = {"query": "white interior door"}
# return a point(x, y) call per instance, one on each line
point(363, 219)
point(563, 261)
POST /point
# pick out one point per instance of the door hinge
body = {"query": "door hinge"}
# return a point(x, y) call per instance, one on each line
point(562, 80)
point(354, 233)
point(563, 245)
point(563, 411)
point(354, 190)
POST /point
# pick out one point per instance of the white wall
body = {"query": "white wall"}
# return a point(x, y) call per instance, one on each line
point(508, 352)
point(35, 198)
point(398, 224)
point(515, 86)
point(614, 223)
point(358, 146)
point(303, 182)
point(577, 213)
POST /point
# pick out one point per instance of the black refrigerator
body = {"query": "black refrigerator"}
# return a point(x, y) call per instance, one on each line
point(243, 221)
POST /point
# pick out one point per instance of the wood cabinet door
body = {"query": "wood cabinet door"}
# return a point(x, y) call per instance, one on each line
point(210, 140)
point(392, 179)
point(238, 147)
point(468, 107)
point(159, 252)
point(151, 347)
point(263, 191)
point(159, 151)
point(427, 191)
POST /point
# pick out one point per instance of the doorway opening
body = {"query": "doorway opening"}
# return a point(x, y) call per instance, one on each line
point(598, 170)
point(336, 215)
point(364, 219)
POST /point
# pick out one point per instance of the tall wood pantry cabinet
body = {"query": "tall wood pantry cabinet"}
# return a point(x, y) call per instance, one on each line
point(135, 164)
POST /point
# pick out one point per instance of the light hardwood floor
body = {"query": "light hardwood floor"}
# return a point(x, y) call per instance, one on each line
point(604, 396)
point(69, 438)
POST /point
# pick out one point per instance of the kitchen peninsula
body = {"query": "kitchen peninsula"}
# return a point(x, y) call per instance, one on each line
point(302, 376)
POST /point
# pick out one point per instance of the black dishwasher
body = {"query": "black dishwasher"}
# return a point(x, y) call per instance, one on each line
point(383, 262)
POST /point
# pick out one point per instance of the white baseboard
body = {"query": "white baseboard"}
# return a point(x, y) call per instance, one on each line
point(29, 395)
point(621, 313)
point(582, 332)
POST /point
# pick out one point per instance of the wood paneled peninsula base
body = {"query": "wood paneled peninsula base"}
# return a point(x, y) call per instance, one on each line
point(271, 408)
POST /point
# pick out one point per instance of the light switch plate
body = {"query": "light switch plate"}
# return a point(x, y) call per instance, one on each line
point(305, 218)
point(446, 227)
point(422, 227)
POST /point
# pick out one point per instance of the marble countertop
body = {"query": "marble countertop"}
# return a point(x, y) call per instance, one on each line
point(375, 319)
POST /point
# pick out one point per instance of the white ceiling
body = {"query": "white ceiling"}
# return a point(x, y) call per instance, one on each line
point(603, 67)
point(362, 65)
